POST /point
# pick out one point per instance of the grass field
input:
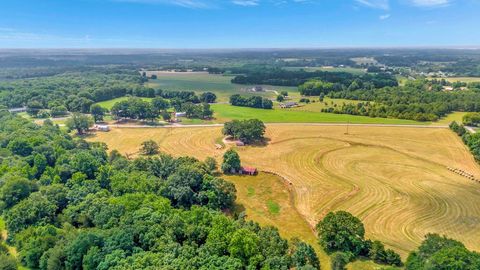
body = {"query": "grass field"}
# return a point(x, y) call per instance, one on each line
point(225, 112)
point(202, 82)
point(394, 178)
point(463, 79)
point(455, 116)
point(108, 104)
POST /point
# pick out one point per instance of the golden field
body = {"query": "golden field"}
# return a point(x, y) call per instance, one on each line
point(395, 179)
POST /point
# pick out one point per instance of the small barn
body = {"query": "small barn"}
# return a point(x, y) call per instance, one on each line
point(103, 128)
point(249, 170)
point(290, 104)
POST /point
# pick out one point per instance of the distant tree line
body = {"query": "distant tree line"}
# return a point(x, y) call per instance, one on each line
point(413, 101)
point(251, 101)
point(136, 108)
point(284, 77)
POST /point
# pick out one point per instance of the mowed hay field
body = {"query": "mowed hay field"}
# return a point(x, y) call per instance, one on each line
point(394, 178)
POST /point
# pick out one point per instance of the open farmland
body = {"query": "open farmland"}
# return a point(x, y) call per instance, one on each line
point(394, 178)
point(202, 81)
point(307, 114)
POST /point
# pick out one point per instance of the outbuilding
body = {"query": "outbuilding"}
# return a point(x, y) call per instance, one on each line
point(249, 170)
point(103, 128)
point(290, 104)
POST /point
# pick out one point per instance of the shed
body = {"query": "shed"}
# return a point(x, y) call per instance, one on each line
point(180, 114)
point(249, 170)
point(289, 104)
point(104, 128)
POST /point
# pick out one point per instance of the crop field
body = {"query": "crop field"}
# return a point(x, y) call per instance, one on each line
point(202, 81)
point(394, 178)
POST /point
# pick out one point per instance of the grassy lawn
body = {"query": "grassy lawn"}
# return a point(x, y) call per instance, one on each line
point(224, 112)
point(463, 79)
point(108, 104)
point(316, 106)
point(201, 82)
point(455, 116)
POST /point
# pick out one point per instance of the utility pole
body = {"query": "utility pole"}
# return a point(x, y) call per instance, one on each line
point(348, 123)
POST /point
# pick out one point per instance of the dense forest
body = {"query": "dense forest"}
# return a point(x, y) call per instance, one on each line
point(68, 204)
point(74, 90)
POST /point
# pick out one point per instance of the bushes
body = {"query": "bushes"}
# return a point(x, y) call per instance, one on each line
point(252, 102)
point(343, 234)
point(441, 253)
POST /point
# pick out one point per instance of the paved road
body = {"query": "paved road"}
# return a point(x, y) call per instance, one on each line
point(470, 129)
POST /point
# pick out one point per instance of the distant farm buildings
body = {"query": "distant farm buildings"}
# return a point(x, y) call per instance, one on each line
point(258, 88)
point(290, 104)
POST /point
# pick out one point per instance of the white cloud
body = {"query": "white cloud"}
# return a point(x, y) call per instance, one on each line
point(246, 3)
point(384, 17)
point(430, 3)
point(380, 4)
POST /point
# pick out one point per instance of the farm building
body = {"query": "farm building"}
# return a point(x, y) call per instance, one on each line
point(103, 128)
point(249, 170)
point(258, 88)
point(290, 104)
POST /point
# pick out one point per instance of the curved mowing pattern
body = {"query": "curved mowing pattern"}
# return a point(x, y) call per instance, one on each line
point(395, 179)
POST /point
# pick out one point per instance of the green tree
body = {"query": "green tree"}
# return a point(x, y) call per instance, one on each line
point(247, 131)
point(160, 104)
point(211, 164)
point(79, 122)
point(7, 262)
point(149, 148)
point(98, 112)
point(244, 245)
point(304, 255)
point(231, 162)
point(33, 107)
point(20, 146)
point(280, 98)
point(341, 231)
point(15, 189)
point(339, 260)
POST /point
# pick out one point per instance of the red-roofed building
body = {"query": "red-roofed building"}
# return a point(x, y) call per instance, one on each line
point(249, 170)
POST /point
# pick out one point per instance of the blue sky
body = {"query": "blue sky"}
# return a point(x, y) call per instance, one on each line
point(238, 23)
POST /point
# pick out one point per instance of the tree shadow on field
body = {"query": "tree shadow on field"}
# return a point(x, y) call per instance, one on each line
point(260, 143)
